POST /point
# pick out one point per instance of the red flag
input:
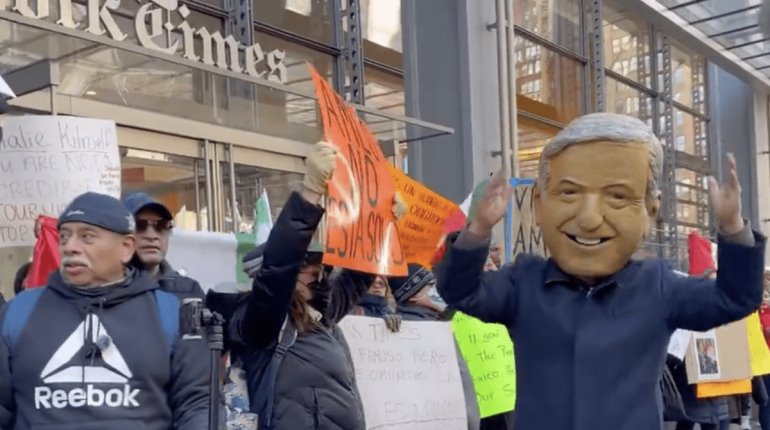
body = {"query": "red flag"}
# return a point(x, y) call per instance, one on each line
point(700, 254)
point(45, 259)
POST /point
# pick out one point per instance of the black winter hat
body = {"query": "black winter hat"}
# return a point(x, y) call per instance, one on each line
point(404, 288)
point(99, 210)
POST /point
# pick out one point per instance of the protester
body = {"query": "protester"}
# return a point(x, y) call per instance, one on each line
point(101, 347)
point(154, 223)
point(414, 303)
point(298, 367)
point(375, 304)
point(764, 317)
point(591, 327)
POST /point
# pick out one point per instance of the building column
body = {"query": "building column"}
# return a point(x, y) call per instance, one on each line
point(450, 67)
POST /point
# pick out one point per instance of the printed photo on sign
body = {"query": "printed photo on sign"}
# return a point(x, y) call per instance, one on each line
point(708, 356)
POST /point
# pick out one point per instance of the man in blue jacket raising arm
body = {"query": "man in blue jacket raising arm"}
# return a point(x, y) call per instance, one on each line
point(591, 325)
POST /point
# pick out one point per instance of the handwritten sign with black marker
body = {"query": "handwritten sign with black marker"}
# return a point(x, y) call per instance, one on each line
point(45, 162)
point(522, 233)
point(408, 380)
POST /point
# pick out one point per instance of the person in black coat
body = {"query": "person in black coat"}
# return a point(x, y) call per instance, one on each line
point(294, 297)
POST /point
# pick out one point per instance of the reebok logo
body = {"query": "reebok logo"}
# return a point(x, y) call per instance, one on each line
point(70, 365)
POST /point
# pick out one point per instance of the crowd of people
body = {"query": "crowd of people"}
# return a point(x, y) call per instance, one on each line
point(101, 346)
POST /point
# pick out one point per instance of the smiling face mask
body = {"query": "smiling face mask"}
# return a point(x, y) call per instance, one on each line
point(594, 212)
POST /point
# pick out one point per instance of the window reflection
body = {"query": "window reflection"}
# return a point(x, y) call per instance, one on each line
point(533, 136)
point(627, 47)
point(249, 183)
point(170, 179)
point(548, 84)
point(555, 20)
point(384, 91)
point(381, 30)
point(624, 99)
point(687, 78)
point(308, 18)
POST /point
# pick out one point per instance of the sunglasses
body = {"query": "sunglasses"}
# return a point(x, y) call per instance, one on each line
point(160, 225)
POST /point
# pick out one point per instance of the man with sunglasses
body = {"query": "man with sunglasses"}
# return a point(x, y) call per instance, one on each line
point(154, 223)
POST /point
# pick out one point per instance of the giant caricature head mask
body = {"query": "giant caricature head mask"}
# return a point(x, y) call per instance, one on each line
point(597, 193)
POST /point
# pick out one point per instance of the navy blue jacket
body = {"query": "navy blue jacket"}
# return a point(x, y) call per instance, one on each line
point(56, 377)
point(590, 358)
point(315, 387)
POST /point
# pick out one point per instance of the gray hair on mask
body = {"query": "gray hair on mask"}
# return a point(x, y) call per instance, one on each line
point(610, 127)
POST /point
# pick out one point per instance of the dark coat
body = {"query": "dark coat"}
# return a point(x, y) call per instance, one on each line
point(707, 411)
point(590, 357)
point(315, 387)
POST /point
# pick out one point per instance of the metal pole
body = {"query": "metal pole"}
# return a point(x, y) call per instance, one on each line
point(197, 180)
point(512, 88)
point(233, 202)
point(502, 78)
point(209, 210)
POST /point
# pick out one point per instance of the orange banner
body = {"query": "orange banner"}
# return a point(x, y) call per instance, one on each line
point(423, 229)
point(717, 389)
point(361, 228)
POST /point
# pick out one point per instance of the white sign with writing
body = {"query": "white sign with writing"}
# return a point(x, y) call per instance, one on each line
point(208, 257)
point(45, 162)
point(408, 380)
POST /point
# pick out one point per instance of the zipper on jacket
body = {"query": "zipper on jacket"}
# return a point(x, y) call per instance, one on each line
point(590, 292)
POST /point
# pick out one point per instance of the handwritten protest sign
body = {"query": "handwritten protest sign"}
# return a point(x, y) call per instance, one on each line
point(361, 227)
point(488, 351)
point(408, 380)
point(422, 230)
point(45, 162)
point(522, 234)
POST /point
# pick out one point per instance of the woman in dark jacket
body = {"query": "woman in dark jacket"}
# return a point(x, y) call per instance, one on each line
point(309, 382)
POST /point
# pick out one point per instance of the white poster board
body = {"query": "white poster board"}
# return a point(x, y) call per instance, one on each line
point(45, 162)
point(207, 257)
point(408, 380)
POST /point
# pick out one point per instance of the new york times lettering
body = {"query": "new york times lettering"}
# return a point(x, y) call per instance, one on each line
point(154, 30)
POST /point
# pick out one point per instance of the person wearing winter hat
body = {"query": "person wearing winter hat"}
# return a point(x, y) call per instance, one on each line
point(298, 366)
point(417, 300)
point(154, 224)
point(96, 352)
point(375, 304)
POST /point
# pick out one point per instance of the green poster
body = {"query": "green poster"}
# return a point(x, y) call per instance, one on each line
point(246, 242)
point(488, 351)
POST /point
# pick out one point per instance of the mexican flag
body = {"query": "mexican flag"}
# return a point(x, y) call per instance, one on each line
point(263, 219)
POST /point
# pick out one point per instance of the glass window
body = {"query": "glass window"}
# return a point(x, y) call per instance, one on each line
point(533, 135)
point(384, 92)
point(381, 28)
point(548, 84)
point(555, 20)
point(685, 134)
point(627, 46)
point(296, 73)
point(171, 179)
point(308, 18)
point(688, 78)
point(249, 183)
point(624, 99)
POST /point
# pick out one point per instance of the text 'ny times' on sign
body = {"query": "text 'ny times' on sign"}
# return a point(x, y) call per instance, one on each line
point(45, 162)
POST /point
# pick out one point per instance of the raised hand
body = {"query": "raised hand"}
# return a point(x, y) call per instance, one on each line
point(320, 164)
point(492, 205)
point(726, 200)
point(399, 206)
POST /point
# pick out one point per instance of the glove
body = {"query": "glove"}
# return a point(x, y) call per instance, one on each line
point(320, 165)
point(399, 206)
point(393, 322)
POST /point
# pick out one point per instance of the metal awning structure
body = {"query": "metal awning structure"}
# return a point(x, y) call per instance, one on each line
point(725, 31)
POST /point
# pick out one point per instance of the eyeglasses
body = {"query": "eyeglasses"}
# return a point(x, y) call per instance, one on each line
point(160, 225)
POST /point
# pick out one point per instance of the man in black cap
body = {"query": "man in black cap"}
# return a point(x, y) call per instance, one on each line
point(100, 346)
point(153, 229)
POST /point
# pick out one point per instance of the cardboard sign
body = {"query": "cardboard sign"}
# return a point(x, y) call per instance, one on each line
point(488, 352)
point(422, 230)
point(719, 355)
point(210, 258)
point(522, 234)
point(361, 228)
point(45, 162)
point(408, 380)
point(717, 389)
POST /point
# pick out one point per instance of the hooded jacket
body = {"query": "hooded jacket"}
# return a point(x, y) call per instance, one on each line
point(97, 358)
point(315, 387)
point(591, 356)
